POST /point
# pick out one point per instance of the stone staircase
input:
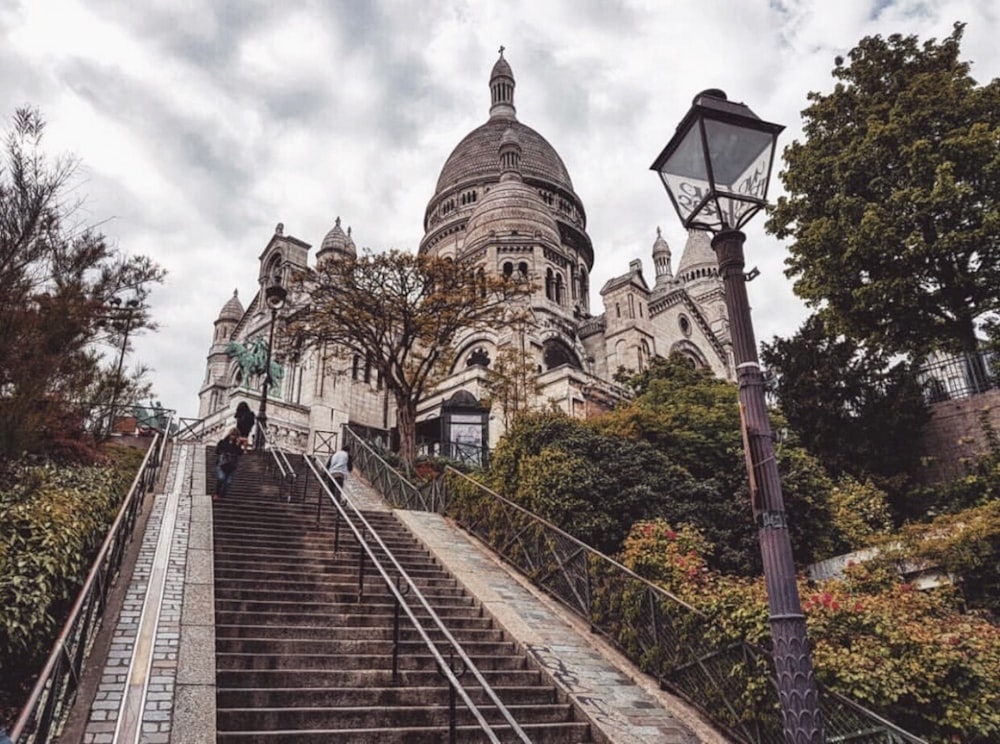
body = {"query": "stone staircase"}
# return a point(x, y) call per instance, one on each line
point(301, 658)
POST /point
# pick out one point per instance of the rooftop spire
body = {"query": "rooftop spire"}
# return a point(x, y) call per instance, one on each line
point(502, 90)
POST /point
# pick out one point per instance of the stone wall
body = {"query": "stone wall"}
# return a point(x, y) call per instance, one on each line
point(954, 436)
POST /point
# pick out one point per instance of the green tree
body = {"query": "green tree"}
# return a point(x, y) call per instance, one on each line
point(694, 418)
point(402, 314)
point(57, 279)
point(850, 406)
point(591, 484)
point(893, 204)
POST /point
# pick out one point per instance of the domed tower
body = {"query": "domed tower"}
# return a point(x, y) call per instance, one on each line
point(336, 244)
point(473, 170)
point(212, 395)
point(661, 263)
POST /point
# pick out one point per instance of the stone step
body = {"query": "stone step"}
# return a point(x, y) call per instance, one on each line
point(373, 696)
point(348, 662)
point(323, 631)
point(365, 645)
point(345, 593)
point(396, 716)
point(293, 566)
point(283, 678)
point(381, 604)
point(542, 733)
point(294, 616)
point(238, 579)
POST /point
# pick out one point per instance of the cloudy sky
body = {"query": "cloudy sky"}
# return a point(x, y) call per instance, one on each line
point(200, 124)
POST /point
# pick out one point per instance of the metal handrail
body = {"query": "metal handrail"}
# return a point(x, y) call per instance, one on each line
point(280, 461)
point(55, 689)
point(394, 487)
point(596, 564)
point(340, 505)
point(190, 429)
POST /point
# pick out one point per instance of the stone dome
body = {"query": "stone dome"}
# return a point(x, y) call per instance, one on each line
point(337, 241)
point(512, 209)
point(475, 157)
point(233, 309)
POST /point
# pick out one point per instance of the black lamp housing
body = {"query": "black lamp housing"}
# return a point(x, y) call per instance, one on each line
point(275, 295)
point(717, 166)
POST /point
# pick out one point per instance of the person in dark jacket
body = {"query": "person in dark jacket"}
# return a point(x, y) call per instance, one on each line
point(227, 457)
point(245, 420)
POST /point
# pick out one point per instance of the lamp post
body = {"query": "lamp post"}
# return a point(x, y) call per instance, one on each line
point(274, 296)
point(120, 318)
point(716, 170)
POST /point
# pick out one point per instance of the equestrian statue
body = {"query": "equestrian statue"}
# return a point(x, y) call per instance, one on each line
point(252, 360)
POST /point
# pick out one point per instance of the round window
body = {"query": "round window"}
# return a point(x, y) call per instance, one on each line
point(685, 325)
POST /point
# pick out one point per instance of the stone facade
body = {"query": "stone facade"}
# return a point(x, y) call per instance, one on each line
point(504, 203)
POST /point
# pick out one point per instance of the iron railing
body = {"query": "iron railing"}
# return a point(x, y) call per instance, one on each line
point(955, 376)
point(278, 465)
point(190, 429)
point(394, 487)
point(55, 690)
point(404, 590)
point(731, 681)
point(324, 442)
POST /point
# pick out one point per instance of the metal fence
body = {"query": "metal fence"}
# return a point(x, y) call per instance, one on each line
point(731, 681)
point(958, 376)
point(55, 690)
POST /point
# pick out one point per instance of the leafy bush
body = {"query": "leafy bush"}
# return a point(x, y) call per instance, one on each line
point(910, 655)
point(53, 519)
point(591, 484)
point(965, 545)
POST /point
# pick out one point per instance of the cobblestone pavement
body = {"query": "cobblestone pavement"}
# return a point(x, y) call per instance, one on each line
point(136, 696)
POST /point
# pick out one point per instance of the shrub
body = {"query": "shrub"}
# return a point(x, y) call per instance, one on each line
point(52, 521)
point(910, 655)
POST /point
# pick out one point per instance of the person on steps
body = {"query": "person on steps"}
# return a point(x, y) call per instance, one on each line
point(227, 457)
point(338, 466)
point(245, 420)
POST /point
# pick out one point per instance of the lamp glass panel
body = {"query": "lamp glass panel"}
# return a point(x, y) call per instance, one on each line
point(740, 157)
point(685, 174)
point(741, 162)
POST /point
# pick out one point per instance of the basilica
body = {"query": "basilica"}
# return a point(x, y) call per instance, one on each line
point(504, 202)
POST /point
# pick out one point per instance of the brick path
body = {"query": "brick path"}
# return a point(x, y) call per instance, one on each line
point(139, 688)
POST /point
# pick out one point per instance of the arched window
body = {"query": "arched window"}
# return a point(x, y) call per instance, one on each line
point(549, 284)
point(560, 290)
point(508, 270)
point(556, 353)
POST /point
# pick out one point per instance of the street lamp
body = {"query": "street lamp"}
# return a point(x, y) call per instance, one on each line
point(274, 297)
point(716, 170)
